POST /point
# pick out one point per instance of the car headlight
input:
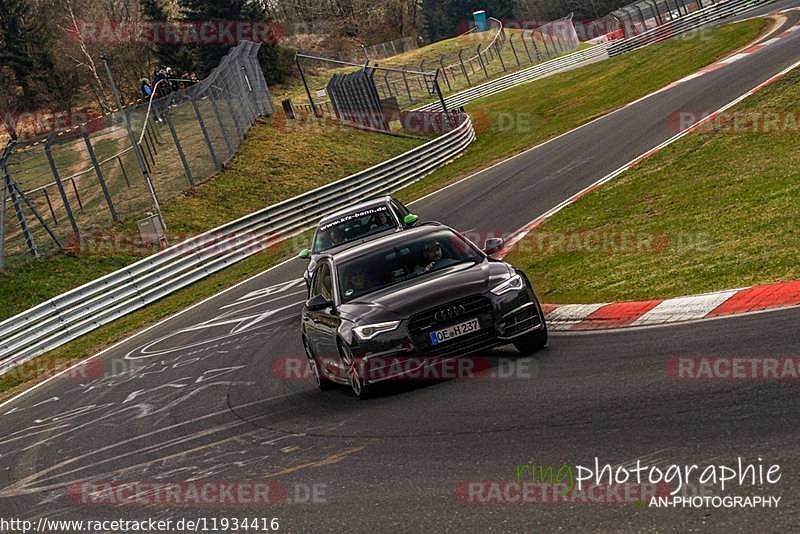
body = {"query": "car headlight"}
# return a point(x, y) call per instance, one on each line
point(515, 283)
point(368, 331)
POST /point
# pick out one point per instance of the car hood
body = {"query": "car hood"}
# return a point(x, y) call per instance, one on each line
point(428, 291)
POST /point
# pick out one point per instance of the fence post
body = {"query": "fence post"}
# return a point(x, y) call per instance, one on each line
point(49, 205)
point(386, 81)
point(185, 163)
point(525, 45)
point(99, 173)
point(247, 95)
point(514, 50)
point(463, 68)
point(500, 55)
point(405, 81)
point(149, 134)
point(544, 42)
point(218, 116)
point(227, 93)
point(3, 223)
point(444, 73)
point(149, 152)
point(205, 133)
point(483, 65)
point(23, 223)
point(124, 172)
point(421, 69)
point(60, 186)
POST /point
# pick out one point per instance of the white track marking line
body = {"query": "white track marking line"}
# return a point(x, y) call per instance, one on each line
point(140, 332)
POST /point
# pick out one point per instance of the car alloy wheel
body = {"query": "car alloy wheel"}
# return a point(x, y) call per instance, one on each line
point(357, 384)
point(316, 373)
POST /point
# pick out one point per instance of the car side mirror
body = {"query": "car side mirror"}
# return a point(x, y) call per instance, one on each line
point(410, 219)
point(493, 245)
point(318, 303)
point(304, 254)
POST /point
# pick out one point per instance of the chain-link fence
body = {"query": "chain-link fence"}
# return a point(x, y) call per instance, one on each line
point(56, 188)
point(639, 17)
point(483, 56)
point(391, 48)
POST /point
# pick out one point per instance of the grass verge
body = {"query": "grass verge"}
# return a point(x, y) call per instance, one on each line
point(723, 210)
point(567, 100)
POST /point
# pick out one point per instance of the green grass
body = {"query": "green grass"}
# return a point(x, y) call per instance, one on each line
point(545, 108)
point(725, 210)
point(273, 165)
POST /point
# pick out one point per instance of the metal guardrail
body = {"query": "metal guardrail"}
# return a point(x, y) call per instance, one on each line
point(567, 62)
point(690, 22)
point(92, 305)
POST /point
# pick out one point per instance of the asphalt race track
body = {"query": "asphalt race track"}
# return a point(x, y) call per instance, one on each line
point(206, 396)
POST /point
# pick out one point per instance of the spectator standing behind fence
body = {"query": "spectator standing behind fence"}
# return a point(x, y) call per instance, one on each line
point(159, 75)
point(147, 89)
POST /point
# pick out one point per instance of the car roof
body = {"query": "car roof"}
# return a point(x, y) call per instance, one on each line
point(367, 204)
point(395, 238)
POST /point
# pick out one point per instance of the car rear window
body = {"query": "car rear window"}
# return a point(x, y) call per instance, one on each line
point(352, 227)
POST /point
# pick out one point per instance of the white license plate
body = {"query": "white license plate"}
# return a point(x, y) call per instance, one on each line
point(460, 329)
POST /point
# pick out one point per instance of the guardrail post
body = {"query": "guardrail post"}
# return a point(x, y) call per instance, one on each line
point(483, 65)
point(187, 171)
point(202, 124)
point(60, 186)
point(99, 173)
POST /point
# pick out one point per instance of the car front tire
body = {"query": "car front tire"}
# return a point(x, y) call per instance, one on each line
point(358, 385)
point(532, 342)
point(316, 373)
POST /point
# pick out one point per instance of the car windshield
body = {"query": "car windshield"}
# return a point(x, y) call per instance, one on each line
point(352, 227)
point(400, 262)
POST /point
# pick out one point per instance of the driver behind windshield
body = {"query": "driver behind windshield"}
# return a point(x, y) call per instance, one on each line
point(380, 220)
point(432, 256)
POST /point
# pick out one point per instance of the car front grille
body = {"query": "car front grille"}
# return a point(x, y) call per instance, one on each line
point(520, 322)
point(476, 306)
